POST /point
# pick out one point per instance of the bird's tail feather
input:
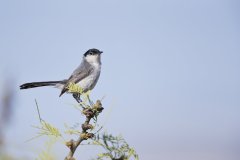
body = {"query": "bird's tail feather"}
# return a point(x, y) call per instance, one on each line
point(40, 84)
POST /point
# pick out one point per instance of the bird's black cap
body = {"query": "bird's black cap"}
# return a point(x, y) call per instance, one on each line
point(92, 51)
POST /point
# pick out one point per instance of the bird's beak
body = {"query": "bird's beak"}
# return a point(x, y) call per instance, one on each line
point(101, 52)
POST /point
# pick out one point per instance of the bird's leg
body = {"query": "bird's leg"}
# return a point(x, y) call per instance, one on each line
point(77, 97)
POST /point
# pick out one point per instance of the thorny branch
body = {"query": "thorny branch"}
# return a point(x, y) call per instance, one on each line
point(89, 112)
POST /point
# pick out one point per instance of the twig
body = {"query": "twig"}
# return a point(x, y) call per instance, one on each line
point(89, 112)
point(39, 116)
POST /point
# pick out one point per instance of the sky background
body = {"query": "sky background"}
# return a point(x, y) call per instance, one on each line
point(170, 73)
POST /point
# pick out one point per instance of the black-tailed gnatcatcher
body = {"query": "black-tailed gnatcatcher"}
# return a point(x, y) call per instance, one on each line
point(86, 75)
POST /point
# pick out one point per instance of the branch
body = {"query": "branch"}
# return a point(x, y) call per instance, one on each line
point(89, 112)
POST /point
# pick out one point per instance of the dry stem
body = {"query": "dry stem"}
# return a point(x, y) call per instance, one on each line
point(89, 112)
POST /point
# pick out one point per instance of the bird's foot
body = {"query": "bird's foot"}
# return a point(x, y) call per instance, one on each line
point(77, 97)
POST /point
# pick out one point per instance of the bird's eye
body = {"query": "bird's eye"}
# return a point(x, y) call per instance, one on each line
point(91, 53)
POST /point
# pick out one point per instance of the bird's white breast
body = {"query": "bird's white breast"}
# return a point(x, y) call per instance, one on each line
point(89, 82)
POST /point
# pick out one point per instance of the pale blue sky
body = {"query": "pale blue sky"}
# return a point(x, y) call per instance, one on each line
point(170, 70)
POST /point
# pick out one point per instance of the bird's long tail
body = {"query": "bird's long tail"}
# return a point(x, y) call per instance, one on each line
point(40, 84)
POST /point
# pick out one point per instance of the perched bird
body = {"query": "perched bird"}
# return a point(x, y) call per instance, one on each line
point(85, 75)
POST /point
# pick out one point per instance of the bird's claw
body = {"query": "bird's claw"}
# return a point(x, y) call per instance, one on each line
point(77, 97)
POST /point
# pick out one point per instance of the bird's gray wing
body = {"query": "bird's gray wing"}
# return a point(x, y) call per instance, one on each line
point(82, 71)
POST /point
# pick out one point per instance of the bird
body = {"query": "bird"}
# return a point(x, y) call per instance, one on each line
point(85, 75)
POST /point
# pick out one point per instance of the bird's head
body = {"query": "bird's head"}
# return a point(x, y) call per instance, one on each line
point(93, 56)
